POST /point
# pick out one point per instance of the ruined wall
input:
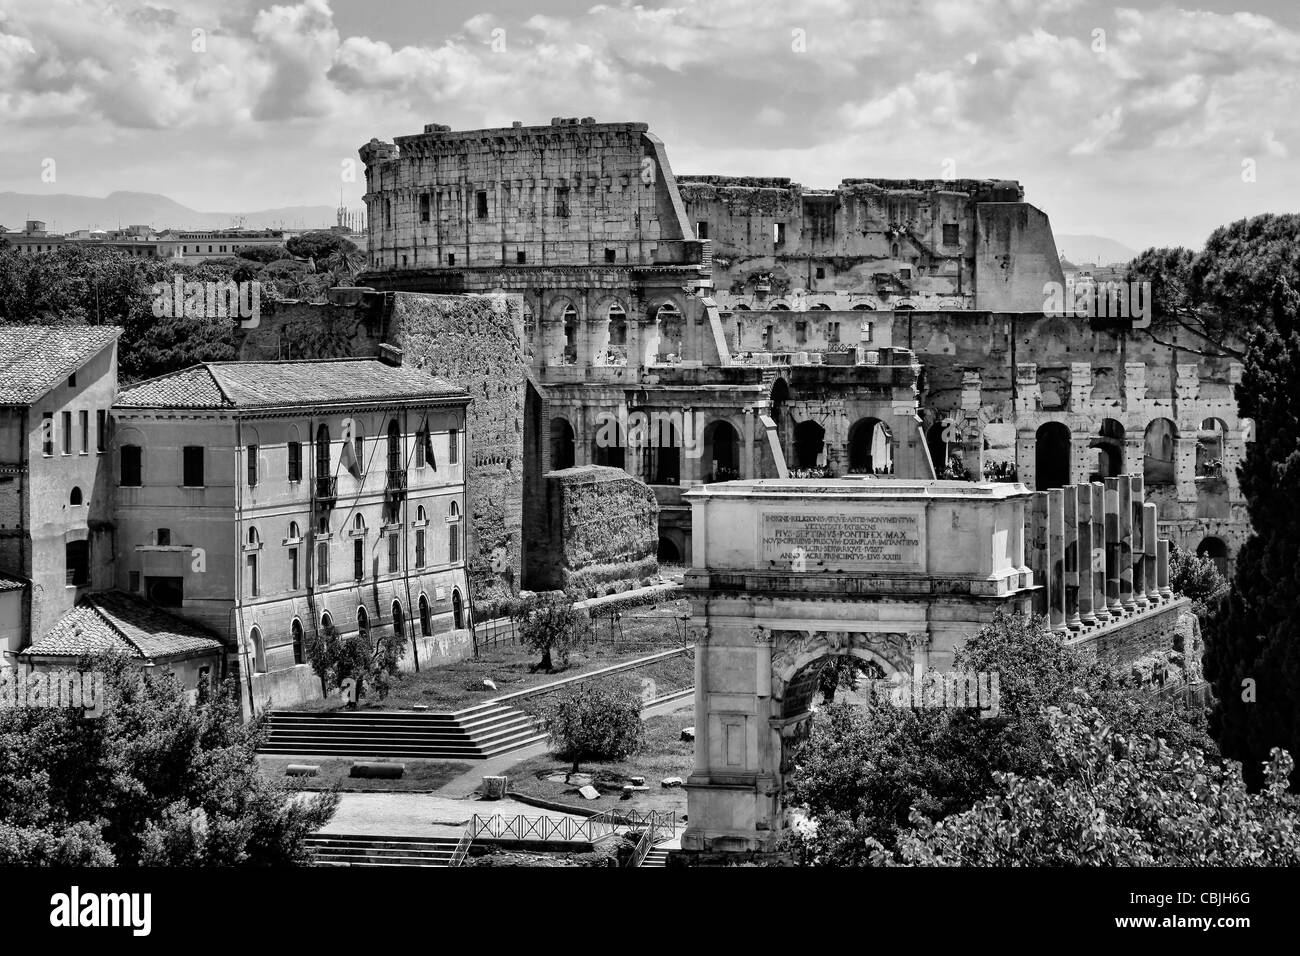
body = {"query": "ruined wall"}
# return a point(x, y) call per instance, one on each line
point(474, 342)
point(607, 524)
point(1016, 257)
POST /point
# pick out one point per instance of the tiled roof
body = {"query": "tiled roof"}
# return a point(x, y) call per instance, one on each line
point(114, 621)
point(9, 584)
point(35, 358)
point(281, 384)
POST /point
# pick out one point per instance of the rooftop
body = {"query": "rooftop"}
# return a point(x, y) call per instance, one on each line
point(116, 621)
point(36, 358)
point(858, 486)
point(287, 385)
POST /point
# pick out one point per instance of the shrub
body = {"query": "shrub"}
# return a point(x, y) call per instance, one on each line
point(593, 723)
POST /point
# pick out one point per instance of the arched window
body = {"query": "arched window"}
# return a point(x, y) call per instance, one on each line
point(359, 524)
point(457, 609)
point(254, 581)
point(298, 652)
point(326, 622)
point(420, 514)
point(617, 326)
point(453, 533)
point(1158, 452)
point(426, 627)
point(253, 538)
point(294, 533)
point(871, 450)
point(1051, 456)
point(721, 452)
point(363, 623)
point(75, 497)
point(399, 621)
point(562, 444)
point(809, 444)
point(259, 653)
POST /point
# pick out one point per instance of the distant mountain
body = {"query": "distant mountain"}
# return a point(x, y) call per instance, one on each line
point(1097, 250)
point(63, 212)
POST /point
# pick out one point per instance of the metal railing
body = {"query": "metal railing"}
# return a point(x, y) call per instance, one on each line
point(658, 826)
point(543, 829)
point(327, 489)
point(462, 848)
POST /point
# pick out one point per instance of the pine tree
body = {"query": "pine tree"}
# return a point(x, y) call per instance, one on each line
point(1253, 642)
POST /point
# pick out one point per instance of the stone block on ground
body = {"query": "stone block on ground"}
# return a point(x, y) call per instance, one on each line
point(302, 770)
point(377, 771)
point(589, 792)
point(671, 782)
point(494, 788)
point(688, 733)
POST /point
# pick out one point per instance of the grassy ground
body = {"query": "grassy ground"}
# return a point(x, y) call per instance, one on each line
point(644, 631)
point(666, 755)
point(419, 774)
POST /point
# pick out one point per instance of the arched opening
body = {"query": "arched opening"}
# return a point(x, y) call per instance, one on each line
point(295, 629)
point(426, 625)
point(1051, 456)
point(453, 533)
point(570, 335)
point(1158, 452)
point(363, 624)
point(1109, 444)
point(457, 609)
point(940, 451)
point(1214, 549)
point(809, 445)
point(399, 621)
point(819, 307)
point(669, 320)
point(259, 651)
point(616, 351)
point(562, 444)
point(326, 622)
point(871, 448)
point(780, 396)
point(864, 307)
point(75, 497)
point(1211, 442)
point(721, 452)
point(665, 451)
point(668, 551)
point(607, 444)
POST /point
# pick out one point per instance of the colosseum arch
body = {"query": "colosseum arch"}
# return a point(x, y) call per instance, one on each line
point(562, 443)
point(1109, 444)
point(1160, 442)
point(721, 451)
point(871, 448)
point(1051, 456)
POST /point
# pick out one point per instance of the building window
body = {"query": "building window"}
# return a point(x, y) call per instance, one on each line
point(521, 257)
point(950, 234)
point(75, 497)
point(424, 207)
point(905, 273)
point(358, 559)
point(192, 466)
point(453, 447)
point(392, 553)
point(67, 433)
point(701, 230)
point(778, 233)
point(163, 537)
point(133, 579)
point(480, 204)
point(451, 258)
point(457, 608)
point(425, 624)
point(326, 622)
point(562, 202)
point(47, 434)
point(132, 472)
point(83, 420)
point(72, 380)
point(611, 256)
point(296, 630)
point(251, 454)
point(394, 450)
point(101, 429)
point(76, 556)
point(295, 461)
point(419, 548)
point(821, 272)
point(453, 536)
point(253, 589)
point(322, 453)
point(323, 563)
point(259, 652)
point(293, 569)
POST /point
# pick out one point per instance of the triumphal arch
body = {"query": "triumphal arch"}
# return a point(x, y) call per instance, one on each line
point(788, 573)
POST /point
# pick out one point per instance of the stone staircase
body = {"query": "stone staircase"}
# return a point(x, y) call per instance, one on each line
point(332, 849)
point(658, 857)
point(472, 734)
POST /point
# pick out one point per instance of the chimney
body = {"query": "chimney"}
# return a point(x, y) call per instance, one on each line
point(390, 355)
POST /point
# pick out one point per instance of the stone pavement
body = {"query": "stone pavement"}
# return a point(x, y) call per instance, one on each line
point(419, 814)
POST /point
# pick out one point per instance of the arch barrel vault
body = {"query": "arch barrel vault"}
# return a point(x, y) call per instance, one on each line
point(786, 574)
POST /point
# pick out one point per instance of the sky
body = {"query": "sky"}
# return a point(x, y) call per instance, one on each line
point(1149, 123)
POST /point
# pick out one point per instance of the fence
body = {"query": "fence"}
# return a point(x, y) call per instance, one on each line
point(543, 829)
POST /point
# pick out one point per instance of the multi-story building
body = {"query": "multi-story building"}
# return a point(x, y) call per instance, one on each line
point(200, 245)
point(269, 500)
point(57, 385)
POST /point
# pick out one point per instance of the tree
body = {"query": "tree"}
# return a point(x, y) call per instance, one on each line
point(595, 723)
point(155, 781)
point(550, 627)
point(1107, 799)
point(371, 662)
point(844, 672)
point(863, 772)
point(262, 254)
point(1252, 643)
point(319, 244)
point(1196, 577)
point(1222, 294)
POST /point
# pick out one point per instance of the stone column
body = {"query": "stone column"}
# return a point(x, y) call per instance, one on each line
point(1138, 492)
point(1150, 551)
point(919, 643)
point(1083, 554)
point(1112, 548)
point(1125, 514)
point(1162, 568)
point(1097, 560)
point(747, 462)
point(1037, 547)
point(1071, 557)
point(700, 638)
point(1056, 558)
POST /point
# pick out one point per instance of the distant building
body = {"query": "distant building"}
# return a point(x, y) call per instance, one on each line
point(197, 246)
point(267, 500)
